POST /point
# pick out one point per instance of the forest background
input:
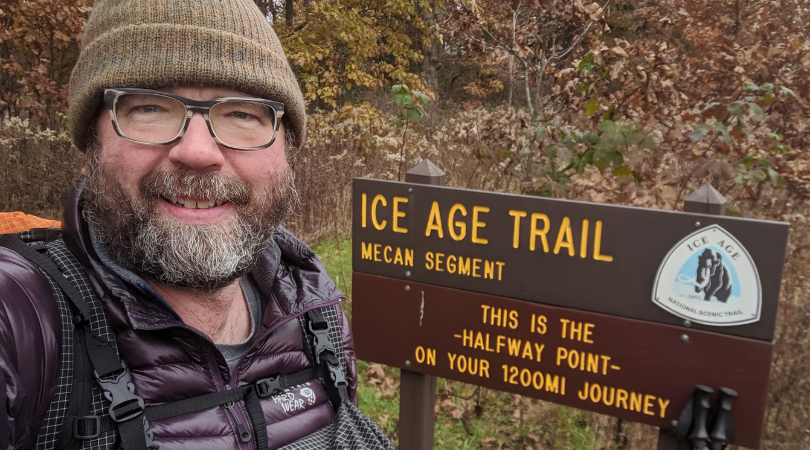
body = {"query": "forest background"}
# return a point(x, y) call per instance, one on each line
point(627, 102)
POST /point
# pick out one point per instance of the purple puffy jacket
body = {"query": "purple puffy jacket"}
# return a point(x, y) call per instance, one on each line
point(169, 360)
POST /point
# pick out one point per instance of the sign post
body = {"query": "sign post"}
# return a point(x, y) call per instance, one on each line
point(417, 390)
point(705, 200)
point(613, 309)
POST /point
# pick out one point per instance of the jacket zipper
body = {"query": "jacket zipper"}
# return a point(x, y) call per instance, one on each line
point(241, 429)
point(244, 434)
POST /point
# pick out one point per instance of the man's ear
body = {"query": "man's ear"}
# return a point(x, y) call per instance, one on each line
point(85, 170)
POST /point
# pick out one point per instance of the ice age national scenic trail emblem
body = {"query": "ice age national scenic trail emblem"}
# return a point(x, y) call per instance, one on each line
point(709, 278)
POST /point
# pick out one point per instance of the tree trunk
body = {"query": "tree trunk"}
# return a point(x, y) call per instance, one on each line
point(528, 91)
point(430, 66)
point(511, 57)
point(430, 60)
point(289, 12)
point(538, 88)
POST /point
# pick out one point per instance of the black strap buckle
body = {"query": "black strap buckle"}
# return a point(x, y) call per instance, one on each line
point(322, 344)
point(86, 427)
point(339, 378)
point(268, 386)
point(121, 392)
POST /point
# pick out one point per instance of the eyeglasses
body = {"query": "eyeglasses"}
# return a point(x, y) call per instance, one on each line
point(152, 117)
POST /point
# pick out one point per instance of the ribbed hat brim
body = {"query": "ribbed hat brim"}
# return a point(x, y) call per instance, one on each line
point(157, 55)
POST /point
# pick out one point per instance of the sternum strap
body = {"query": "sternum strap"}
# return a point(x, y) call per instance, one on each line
point(264, 388)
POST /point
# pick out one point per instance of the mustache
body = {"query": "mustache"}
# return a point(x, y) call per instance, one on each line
point(190, 183)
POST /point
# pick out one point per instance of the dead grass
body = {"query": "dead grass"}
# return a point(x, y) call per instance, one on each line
point(37, 168)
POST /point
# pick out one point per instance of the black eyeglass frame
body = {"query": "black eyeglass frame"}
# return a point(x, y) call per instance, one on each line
point(111, 96)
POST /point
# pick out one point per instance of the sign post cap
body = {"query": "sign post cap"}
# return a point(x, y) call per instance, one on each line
point(426, 173)
point(705, 200)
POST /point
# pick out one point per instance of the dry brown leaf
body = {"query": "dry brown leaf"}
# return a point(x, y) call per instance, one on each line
point(523, 50)
point(449, 406)
point(619, 52)
point(375, 374)
point(594, 10)
point(616, 69)
point(668, 194)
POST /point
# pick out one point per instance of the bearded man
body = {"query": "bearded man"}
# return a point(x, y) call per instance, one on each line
point(228, 331)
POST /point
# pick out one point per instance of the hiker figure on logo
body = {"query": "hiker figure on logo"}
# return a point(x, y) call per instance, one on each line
point(712, 276)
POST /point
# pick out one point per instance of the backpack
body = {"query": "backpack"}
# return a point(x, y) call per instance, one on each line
point(17, 221)
point(94, 404)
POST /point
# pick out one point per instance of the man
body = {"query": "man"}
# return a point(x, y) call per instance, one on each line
point(191, 118)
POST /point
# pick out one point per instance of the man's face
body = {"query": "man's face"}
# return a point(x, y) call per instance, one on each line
point(192, 214)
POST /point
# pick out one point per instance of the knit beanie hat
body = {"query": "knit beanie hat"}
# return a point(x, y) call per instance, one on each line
point(157, 43)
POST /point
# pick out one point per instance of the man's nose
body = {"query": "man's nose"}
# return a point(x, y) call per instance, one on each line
point(197, 148)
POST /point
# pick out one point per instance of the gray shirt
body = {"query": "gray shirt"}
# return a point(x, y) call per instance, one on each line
point(234, 352)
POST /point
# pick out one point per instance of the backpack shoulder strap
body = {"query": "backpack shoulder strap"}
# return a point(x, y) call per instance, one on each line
point(110, 373)
point(87, 422)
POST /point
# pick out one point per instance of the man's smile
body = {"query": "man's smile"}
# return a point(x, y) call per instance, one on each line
point(196, 211)
point(192, 203)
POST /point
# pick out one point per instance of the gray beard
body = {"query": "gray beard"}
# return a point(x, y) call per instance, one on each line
point(202, 258)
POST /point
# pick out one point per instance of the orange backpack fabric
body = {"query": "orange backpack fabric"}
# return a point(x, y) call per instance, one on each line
point(14, 222)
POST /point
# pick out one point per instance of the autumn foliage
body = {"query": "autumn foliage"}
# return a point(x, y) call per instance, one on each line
point(39, 43)
point(620, 101)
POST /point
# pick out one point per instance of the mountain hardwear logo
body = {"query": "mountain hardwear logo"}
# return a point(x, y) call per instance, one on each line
point(709, 278)
point(309, 394)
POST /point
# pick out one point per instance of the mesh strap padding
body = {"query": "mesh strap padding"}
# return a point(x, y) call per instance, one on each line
point(55, 416)
point(332, 316)
point(350, 430)
point(54, 419)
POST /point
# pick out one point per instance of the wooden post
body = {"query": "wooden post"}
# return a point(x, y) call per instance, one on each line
point(705, 200)
point(666, 441)
point(417, 392)
point(426, 173)
point(417, 400)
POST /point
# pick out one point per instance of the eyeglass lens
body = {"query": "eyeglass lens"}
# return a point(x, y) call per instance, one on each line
point(155, 119)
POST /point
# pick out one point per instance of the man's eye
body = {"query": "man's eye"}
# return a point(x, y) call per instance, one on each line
point(146, 109)
point(241, 115)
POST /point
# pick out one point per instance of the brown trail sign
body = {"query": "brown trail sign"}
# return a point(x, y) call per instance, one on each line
point(640, 371)
point(606, 308)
